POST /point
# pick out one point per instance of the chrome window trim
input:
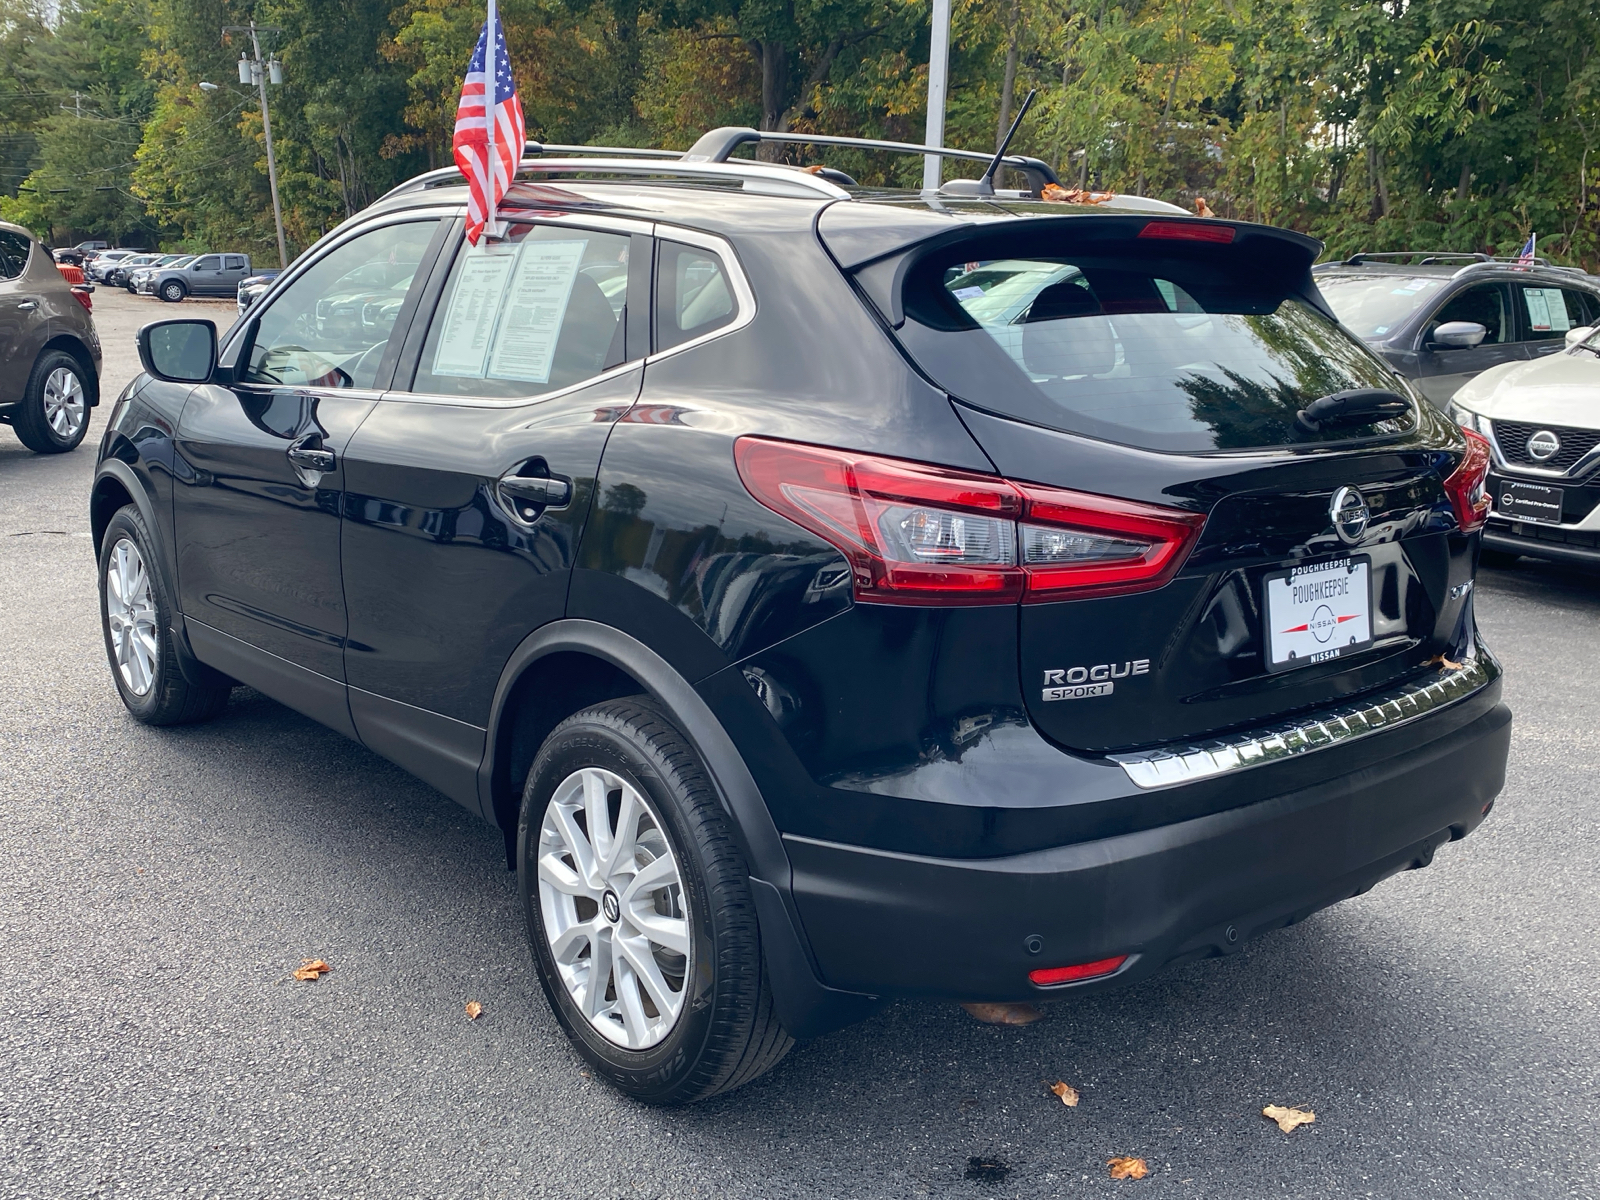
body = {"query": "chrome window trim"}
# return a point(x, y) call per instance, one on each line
point(742, 292)
point(1177, 764)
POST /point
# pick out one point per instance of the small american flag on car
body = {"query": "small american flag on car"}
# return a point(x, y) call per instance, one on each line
point(1527, 255)
point(489, 129)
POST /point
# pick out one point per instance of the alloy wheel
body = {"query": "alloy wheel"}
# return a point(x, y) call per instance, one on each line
point(131, 616)
point(611, 897)
point(64, 405)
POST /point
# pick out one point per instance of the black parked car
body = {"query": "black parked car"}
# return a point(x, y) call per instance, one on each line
point(1439, 318)
point(812, 640)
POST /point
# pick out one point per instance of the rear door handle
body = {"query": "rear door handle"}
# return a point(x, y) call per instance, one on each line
point(530, 495)
point(310, 457)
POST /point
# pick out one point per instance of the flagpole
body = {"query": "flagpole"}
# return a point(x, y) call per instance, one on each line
point(491, 99)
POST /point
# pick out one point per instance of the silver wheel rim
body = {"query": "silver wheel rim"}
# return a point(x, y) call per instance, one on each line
point(64, 406)
point(611, 898)
point(131, 617)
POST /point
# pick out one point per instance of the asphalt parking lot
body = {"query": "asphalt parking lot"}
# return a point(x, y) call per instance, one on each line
point(157, 887)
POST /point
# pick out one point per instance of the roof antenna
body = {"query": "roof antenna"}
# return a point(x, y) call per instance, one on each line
point(984, 185)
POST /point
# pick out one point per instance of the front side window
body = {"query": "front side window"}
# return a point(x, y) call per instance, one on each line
point(331, 325)
point(209, 263)
point(693, 296)
point(1484, 305)
point(542, 309)
point(1162, 354)
point(1551, 311)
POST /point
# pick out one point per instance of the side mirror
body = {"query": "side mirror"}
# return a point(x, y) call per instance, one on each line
point(1458, 335)
point(179, 351)
point(1574, 336)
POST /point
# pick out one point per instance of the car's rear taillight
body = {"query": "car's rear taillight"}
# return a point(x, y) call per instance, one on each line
point(81, 295)
point(1086, 545)
point(921, 534)
point(1467, 486)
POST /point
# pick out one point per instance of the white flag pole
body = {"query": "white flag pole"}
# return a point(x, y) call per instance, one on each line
point(938, 78)
point(491, 70)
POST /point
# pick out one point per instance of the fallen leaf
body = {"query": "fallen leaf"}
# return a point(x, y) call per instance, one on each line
point(1054, 193)
point(1288, 1118)
point(312, 969)
point(1439, 660)
point(474, 1010)
point(1128, 1168)
point(1068, 1093)
point(1201, 208)
point(1003, 1014)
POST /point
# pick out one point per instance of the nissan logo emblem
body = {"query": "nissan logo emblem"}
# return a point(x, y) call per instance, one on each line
point(1349, 513)
point(1543, 446)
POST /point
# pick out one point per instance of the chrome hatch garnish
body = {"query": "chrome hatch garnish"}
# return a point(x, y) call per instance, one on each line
point(1188, 762)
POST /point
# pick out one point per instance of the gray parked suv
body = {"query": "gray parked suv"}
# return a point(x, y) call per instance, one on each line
point(49, 351)
point(204, 275)
point(1439, 317)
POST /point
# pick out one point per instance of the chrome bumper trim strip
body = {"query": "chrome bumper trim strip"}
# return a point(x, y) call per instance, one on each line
point(1186, 763)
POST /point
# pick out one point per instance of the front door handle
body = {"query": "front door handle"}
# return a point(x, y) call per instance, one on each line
point(309, 455)
point(27, 306)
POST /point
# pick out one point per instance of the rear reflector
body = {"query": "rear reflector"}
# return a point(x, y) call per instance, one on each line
point(1188, 231)
point(1467, 486)
point(920, 534)
point(1046, 976)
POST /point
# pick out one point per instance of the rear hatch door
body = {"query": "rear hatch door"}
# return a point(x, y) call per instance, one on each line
point(1181, 363)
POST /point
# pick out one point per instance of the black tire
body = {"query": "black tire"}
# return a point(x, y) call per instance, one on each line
point(173, 290)
point(169, 698)
point(32, 418)
point(727, 1031)
point(1502, 560)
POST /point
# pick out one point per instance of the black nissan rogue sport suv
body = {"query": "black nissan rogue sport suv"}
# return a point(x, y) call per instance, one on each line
point(832, 595)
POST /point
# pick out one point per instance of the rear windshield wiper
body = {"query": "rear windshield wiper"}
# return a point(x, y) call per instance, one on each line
point(1358, 406)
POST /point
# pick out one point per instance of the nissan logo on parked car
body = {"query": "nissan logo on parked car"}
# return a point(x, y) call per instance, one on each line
point(1543, 446)
point(1349, 513)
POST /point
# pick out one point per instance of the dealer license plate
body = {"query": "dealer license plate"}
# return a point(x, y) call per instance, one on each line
point(1318, 612)
point(1529, 502)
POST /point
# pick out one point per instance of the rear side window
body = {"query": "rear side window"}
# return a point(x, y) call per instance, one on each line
point(1165, 353)
point(235, 262)
point(693, 296)
point(14, 250)
point(541, 310)
point(1551, 311)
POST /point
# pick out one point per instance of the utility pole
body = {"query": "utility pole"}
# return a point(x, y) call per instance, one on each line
point(938, 83)
point(259, 72)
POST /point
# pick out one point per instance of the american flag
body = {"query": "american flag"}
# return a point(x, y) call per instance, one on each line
point(475, 143)
point(1526, 257)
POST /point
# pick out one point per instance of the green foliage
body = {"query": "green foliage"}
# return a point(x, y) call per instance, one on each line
point(1461, 124)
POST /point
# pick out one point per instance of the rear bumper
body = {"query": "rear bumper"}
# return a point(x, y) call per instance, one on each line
point(893, 924)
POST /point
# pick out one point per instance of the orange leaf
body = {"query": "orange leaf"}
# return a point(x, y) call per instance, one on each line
point(312, 969)
point(1068, 1093)
point(1128, 1168)
point(1288, 1118)
point(474, 1010)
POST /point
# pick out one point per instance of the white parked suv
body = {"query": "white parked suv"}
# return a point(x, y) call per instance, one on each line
point(1542, 419)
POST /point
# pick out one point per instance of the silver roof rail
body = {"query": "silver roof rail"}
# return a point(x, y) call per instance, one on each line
point(769, 179)
point(1542, 263)
point(718, 145)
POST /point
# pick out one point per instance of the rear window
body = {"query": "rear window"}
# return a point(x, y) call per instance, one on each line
point(1172, 351)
